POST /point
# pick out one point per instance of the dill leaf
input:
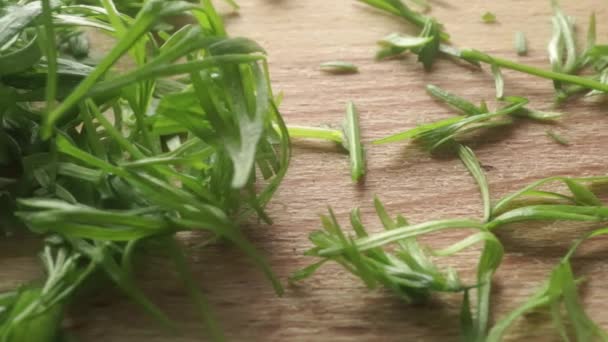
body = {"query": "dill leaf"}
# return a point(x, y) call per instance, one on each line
point(521, 44)
point(488, 18)
point(339, 67)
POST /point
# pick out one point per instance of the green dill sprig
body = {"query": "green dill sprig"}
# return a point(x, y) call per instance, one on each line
point(585, 82)
point(445, 132)
point(352, 142)
point(349, 137)
point(468, 158)
point(407, 271)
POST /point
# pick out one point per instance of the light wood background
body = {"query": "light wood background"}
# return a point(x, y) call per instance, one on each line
point(333, 305)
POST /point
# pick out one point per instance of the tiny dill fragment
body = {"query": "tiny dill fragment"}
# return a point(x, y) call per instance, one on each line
point(488, 18)
point(339, 67)
point(558, 138)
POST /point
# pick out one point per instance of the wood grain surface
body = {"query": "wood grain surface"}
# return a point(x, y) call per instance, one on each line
point(333, 305)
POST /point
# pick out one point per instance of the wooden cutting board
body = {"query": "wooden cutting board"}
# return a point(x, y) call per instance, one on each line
point(333, 305)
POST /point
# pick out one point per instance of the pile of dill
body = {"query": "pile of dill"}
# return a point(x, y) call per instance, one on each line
point(100, 159)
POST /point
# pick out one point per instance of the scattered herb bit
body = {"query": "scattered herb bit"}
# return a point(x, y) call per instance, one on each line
point(408, 271)
point(398, 8)
point(352, 142)
point(521, 45)
point(602, 78)
point(562, 47)
point(426, 45)
point(499, 81)
point(559, 293)
point(488, 18)
point(557, 138)
point(349, 137)
point(338, 67)
point(531, 192)
point(537, 115)
point(445, 132)
point(365, 255)
point(430, 51)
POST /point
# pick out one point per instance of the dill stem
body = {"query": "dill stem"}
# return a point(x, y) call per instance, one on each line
point(315, 133)
point(474, 55)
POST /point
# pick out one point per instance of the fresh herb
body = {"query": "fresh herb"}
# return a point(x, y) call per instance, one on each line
point(580, 194)
point(488, 18)
point(521, 45)
point(499, 81)
point(116, 156)
point(557, 138)
point(339, 67)
point(348, 137)
point(562, 47)
point(430, 51)
point(352, 142)
point(454, 101)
